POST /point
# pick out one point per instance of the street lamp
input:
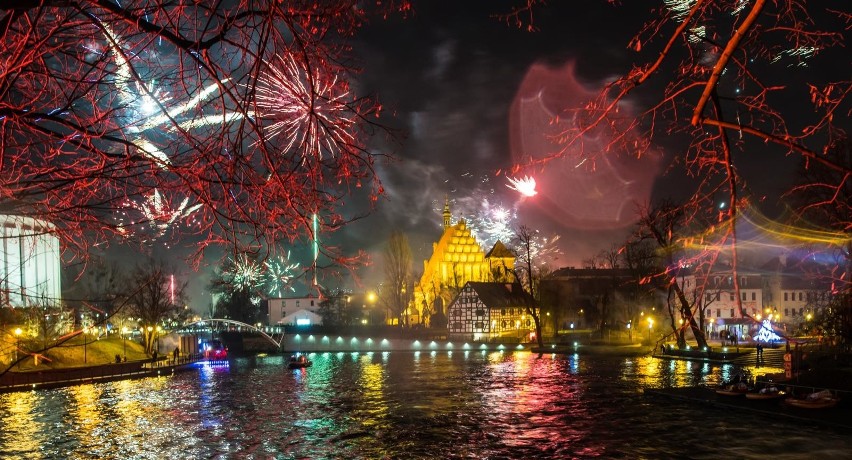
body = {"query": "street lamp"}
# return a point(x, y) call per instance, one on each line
point(150, 336)
point(18, 333)
point(85, 343)
point(158, 338)
point(650, 326)
point(124, 337)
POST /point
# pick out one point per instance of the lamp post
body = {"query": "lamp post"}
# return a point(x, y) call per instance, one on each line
point(150, 336)
point(650, 326)
point(18, 333)
point(85, 344)
point(158, 338)
point(124, 338)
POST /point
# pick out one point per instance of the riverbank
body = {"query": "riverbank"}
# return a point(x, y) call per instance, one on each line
point(79, 375)
point(835, 417)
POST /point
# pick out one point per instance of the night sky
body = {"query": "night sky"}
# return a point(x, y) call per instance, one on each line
point(467, 96)
point(450, 75)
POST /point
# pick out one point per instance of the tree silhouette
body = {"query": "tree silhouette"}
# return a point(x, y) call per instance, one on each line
point(740, 82)
point(232, 123)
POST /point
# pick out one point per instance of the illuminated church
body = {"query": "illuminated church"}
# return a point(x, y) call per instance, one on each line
point(456, 259)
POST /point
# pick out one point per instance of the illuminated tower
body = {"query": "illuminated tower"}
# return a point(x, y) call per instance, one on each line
point(456, 259)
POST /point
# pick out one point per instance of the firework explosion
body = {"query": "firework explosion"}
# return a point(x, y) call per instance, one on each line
point(154, 214)
point(279, 275)
point(309, 109)
point(151, 111)
point(243, 273)
point(524, 185)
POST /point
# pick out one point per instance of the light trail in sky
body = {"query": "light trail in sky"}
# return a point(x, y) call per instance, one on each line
point(524, 185)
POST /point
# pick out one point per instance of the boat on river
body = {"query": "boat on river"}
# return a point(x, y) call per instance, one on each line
point(819, 400)
point(737, 389)
point(737, 386)
point(767, 393)
point(299, 362)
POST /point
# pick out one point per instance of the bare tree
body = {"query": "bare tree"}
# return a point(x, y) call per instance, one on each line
point(130, 119)
point(398, 289)
point(156, 299)
point(737, 80)
point(529, 274)
point(665, 226)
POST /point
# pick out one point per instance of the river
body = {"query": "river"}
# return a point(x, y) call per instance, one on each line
point(427, 405)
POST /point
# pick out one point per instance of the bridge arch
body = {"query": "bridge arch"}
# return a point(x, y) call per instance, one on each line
point(231, 322)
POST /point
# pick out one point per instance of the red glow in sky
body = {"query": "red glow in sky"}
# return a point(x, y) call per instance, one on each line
point(574, 191)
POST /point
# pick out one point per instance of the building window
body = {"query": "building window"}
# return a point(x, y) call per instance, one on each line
point(718, 296)
point(478, 324)
point(732, 297)
point(800, 297)
point(504, 324)
point(753, 296)
point(785, 297)
point(718, 312)
point(732, 313)
point(744, 296)
point(457, 326)
point(709, 313)
point(786, 312)
point(480, 312)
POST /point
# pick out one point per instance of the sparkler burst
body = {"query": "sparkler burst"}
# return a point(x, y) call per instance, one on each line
point(243, 273)
point(152, 111)
point(311, 109)
point(279, 275)
point(154, 213)
point(524, 185)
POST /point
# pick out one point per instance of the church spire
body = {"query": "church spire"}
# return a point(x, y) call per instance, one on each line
point(447, 213)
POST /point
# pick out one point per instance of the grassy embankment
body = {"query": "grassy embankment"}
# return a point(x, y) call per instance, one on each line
point(78, 351)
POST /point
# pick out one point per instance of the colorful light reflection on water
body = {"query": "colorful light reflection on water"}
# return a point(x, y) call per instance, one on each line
point(432, 404)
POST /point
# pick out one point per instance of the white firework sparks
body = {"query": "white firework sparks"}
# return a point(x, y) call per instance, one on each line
point(155, 213)
point(524, 185)
point(151, 109)
point(279, 275)
point(493, 223)
point(244, 273)
point(309, 108)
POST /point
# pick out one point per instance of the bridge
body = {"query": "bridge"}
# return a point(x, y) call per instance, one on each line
point(228, 324)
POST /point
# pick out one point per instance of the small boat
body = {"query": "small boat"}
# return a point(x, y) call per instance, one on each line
point(766, 394)
point(819, 400)
point(298, 362)
point(738, 389)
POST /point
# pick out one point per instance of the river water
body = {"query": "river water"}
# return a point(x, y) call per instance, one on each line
point(403, 405)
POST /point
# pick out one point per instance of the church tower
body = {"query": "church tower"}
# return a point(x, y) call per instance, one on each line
point(456, 259)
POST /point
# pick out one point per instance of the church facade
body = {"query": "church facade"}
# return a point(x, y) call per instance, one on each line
point(457, 258)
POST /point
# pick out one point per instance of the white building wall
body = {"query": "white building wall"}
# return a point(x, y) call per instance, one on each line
point(29, 262)
point(281, 308)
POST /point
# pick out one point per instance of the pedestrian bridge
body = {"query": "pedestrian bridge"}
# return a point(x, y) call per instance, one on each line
point(219, 324)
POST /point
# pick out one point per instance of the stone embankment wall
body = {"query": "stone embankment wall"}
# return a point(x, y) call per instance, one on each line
point(335, 343)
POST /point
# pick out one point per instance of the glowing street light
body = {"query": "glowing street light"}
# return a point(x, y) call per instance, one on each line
point(85, 344)
point(650, 326)
point(18, 333)
point(124, 337)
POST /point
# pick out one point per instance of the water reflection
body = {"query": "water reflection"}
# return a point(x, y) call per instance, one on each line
point(430, 404)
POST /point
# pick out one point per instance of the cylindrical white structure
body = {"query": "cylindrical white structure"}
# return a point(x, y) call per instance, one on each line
point(29, 262)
